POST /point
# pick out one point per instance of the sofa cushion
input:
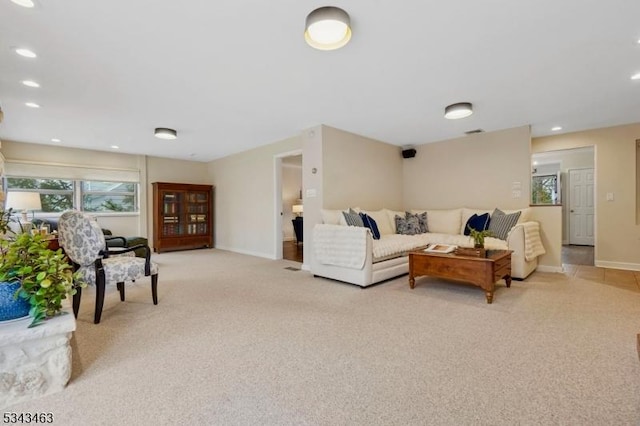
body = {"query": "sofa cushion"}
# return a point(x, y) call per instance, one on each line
point(525, 214)
point(443, 221)
point(382, 221)
point(352, 218)
point(422, 220)
point(331, 217)
point(408, 225)
point(477, 222)
point(501, 223)
point(371, 224)
point(391, 214)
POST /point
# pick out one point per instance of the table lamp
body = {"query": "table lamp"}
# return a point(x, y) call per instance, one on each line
point(297, 209)
point(24, 201)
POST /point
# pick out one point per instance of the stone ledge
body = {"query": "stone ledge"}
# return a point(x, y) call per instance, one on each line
point(34, 361)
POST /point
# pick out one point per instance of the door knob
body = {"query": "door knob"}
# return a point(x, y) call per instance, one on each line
point(571, 211)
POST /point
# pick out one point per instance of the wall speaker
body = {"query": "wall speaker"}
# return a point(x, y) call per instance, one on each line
point(408, 153)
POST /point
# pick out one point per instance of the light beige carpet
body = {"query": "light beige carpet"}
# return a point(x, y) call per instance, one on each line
point(239, 340)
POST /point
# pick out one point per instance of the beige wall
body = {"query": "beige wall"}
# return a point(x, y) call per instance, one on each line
point(617, 234)
point(245, 204)
point(360, 172)
point(550, 219)
point(313, 185)
point(477, 170)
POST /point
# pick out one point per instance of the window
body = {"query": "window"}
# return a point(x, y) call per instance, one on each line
point(544, 189)
point(108, 196)
point(58, 195)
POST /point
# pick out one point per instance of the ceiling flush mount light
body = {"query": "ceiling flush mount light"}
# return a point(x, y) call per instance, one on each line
point(636, 76)
point(30, 83)
point(56, 140)
point(556, 128)
point(32, 105)
point(115, 147)
point(25, 52)
point(327, 28)
point(165, 133)
point(459, 110)
point(24, 3)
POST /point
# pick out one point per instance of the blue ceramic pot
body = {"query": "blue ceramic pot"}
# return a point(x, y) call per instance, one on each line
point(11, 308)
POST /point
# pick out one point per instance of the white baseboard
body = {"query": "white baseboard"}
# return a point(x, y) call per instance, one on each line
point(547, 268)
point(618, 265)
point(248, 252)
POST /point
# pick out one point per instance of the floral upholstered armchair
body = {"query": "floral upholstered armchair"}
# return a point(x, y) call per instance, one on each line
point(83, 242)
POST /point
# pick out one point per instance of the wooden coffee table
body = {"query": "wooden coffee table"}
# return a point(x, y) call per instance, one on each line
point(483, 272)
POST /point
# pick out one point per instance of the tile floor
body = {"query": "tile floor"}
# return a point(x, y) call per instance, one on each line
point(578, 262)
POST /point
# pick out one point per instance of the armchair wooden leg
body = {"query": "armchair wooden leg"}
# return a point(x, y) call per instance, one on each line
point(121, 290)
point(154, 288)
point(99, 300)
point(76, 301)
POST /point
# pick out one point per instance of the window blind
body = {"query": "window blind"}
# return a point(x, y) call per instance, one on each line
point(69, 171)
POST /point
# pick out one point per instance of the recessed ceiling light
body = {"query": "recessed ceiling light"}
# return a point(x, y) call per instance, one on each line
point(56, 140)
point(30, 83)
point(459, 110)
point(115, 147)
point(32, 105)
point(25, 52)
point(556, 128)
point(165, 133)
point(24, 3)
point(636, 76)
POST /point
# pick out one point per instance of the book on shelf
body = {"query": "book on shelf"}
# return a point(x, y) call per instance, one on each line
point(440, 248)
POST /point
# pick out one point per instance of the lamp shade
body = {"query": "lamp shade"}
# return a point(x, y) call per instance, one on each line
point(25, 201)
point(327, 28)
point(459, 110)
point(297, 208)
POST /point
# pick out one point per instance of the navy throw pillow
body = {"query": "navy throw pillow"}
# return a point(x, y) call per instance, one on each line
point(371, 224)
point(479, 223)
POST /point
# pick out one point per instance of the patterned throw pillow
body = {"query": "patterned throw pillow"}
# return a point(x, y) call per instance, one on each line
point(422, 221)
point(501, 223)
point(477, 222)
point(352, 218)
point(371, 224)
point(407, 226)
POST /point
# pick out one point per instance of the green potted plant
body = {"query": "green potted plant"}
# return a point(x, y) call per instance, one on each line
point(42, 277)
point(479, 236)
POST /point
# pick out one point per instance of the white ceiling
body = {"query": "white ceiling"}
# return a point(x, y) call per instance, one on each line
point(233, 75)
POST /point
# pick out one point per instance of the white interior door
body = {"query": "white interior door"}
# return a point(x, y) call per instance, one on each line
point(581, 207)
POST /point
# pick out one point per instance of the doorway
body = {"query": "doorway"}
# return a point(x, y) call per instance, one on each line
point(581, 207)
point(576, 171)
point(290, 209)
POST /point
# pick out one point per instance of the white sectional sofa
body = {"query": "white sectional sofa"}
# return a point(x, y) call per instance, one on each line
point(350, 254)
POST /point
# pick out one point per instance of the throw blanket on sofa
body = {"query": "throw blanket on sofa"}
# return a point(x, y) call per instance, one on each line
point(532, 242)
point(340, 245)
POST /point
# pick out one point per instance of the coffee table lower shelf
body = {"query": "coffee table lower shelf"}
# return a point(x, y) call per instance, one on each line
point(483, 272)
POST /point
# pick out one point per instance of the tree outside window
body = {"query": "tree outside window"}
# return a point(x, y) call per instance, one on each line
point(56, 195)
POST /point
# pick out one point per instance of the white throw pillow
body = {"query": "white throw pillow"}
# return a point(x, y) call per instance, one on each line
point(444, 221)
point(525, 214)
point(382, 221)
point(391, 216)
point(332, 217)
